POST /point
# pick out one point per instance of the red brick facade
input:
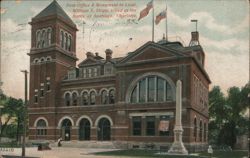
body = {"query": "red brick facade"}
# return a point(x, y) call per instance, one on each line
point(114, 99)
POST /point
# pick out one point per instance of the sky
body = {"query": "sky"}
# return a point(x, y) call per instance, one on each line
point(223, 26)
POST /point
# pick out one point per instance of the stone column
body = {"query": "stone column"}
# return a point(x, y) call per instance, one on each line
point(178, 146)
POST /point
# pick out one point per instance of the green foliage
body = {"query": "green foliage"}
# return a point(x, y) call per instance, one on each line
point(13, 111)
point(226, 118)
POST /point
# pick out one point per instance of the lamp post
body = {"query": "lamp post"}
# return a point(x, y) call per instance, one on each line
point(24, 111)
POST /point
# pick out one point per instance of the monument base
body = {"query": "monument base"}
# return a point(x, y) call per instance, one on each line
point(178, 147)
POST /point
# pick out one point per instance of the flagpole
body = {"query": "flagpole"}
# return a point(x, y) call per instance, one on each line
point(153, 24)
point(166, 21)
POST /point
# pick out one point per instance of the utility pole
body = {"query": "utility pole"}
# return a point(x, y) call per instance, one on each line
point(24, 111)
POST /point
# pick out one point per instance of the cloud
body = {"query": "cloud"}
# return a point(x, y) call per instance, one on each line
point(207, 20)
point(227, 70)
point(241, 46)
point(9, 28)
point(14, 59)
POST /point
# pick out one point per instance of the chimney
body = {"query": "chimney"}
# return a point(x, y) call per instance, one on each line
point(89, 55)
point(108, 54)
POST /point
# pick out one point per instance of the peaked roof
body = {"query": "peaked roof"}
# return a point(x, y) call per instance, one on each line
point(54, 9)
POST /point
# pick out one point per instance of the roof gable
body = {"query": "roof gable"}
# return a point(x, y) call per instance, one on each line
point(88, 61)
point(54, 9)
point(151, 50)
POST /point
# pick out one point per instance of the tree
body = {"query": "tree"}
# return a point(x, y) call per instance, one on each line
point(226, 115)
point(13, 109)
point(216, 106)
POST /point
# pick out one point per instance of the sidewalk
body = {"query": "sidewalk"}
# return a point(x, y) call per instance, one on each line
point(58, 153)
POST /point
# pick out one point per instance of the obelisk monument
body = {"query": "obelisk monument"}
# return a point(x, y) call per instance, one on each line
point(178, 146)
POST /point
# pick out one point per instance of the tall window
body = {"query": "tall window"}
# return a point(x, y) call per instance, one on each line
point(205, 132)
point(136, 125)
point(36, 99)
point(70, 43)
point(48, 86)
point(151, 89)
point(62, 39)
point(112, 96)
point(38, 39)
point(142, 91)
point(67, 99)
point(49, 36)
point(85, 98)
point(74, 97)
point(43, 38)
point(150, 125)
point(42, 93)
point(41, 128)
point(195, 129)
point(65, 40)
point(92, 98)
point(104, 97)
point(200, 135)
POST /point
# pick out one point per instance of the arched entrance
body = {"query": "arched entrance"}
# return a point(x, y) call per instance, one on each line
point(66, 129)
point(84, 129)
point(104, 130)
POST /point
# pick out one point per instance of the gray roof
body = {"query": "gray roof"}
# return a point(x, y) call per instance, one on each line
point(54, 9)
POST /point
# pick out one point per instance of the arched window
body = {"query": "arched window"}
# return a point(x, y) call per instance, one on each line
point(70, 43)
point(104, 97)
point(36, 61)
point(195, 129)
point(62, 39)
point(151, 89)
point(43, 38)
point(92, 98)
point(42, 60)
point(65, 41)
point(67, 99)
point(112, 96)
point(74, 97)
point(48, 59)
point(85, 98)
point(200, 135)
point(38, 39)
point(49, 36)
point(41, 127)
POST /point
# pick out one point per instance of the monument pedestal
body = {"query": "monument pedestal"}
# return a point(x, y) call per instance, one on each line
point(178, 147)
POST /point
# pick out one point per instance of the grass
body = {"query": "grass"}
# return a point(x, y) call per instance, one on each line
point(152, 154)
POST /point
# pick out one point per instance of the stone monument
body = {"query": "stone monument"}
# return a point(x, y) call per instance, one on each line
point(178, 147)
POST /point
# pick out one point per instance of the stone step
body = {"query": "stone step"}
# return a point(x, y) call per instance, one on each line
point(86, 144)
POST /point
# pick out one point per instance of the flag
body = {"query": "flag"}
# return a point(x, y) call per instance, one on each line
point(145, 11)
point(159, 17)
point(164, 125)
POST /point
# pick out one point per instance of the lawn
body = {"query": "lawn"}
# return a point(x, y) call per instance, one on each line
point(152, 154)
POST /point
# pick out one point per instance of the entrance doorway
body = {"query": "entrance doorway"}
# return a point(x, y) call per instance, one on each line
point(66, 130)
point(104, 130)
point(84, 129)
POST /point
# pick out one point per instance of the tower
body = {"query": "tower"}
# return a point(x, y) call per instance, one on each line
point(52, 54)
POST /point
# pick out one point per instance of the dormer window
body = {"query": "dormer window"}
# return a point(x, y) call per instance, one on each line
point(72, 74)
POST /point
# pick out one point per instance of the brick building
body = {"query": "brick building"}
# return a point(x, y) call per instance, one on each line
point(120, 100)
